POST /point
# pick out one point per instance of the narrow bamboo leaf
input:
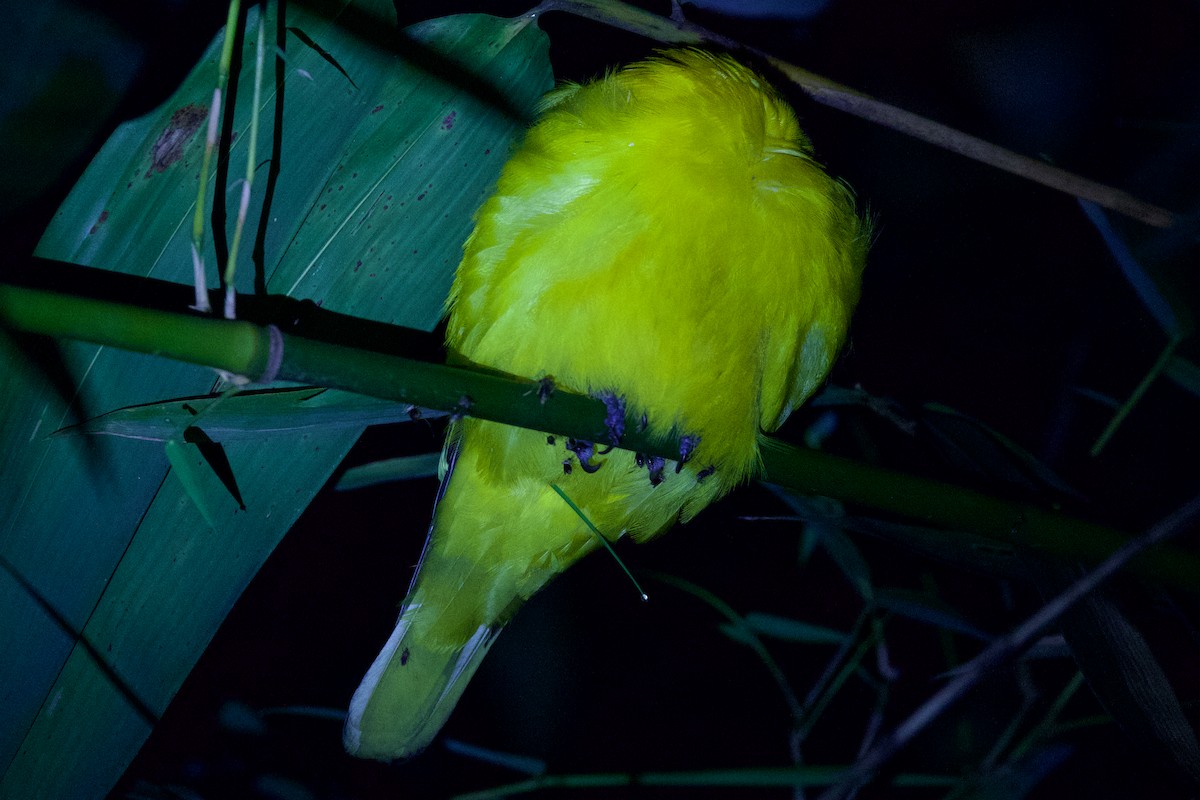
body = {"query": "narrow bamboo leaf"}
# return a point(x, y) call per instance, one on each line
point(1016, 780)
point(517, 763)
point(406, 468)
point(1157, 302)
point(822, 516)
point(847, 557)
point(988, 451)
point(250, 414)
point(190, 475)
point(970, 551)
point(792, 630)
point(1125, 674)
point(322, 52)
point(1184, 372)
point(214, 456)
point(926, 609)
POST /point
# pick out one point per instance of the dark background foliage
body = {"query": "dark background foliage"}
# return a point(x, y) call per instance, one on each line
point(984, 292)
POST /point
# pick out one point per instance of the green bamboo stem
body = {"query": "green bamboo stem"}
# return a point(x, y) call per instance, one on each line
point(248, 181)
point(246, 349)
point(753, 777)
point(210, 146)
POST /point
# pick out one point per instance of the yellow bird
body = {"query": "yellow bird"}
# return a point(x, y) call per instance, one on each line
point(662, 236)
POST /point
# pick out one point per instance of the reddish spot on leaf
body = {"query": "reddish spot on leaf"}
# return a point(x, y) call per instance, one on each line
point(168, 147)
point(377, 109)
point(99, 221)
point(448, 121)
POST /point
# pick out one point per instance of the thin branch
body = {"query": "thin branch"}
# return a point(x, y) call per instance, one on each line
point(843, 98)
point(1007, 648)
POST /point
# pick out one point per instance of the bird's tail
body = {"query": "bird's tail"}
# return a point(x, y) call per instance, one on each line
point(480, 564)
point(411, 688)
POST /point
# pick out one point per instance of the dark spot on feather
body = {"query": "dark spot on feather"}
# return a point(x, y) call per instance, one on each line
point(377, 109)
point(704, 473)
point(550, 440)
point(566, 466)
point(404, 657)
point(643, 423)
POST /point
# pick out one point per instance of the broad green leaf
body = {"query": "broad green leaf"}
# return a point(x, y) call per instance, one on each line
point(378, 181)
point(65, 64)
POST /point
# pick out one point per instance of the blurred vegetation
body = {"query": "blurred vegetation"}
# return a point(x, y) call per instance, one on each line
point(1010, 339)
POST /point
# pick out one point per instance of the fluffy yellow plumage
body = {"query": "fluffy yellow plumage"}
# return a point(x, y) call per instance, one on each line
point(662, 235)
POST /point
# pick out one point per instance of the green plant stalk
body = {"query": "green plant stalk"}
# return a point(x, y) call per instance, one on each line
point(760, 777)
point(600, 537)
point(1139, 391)
point(944, 505)
point(248, 181)
point(210, 144)
point(1049, 723)
point(245, 349)
point(764, 655)
point(813, 710)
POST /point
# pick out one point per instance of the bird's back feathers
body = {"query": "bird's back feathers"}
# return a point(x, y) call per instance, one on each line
point(664, 235)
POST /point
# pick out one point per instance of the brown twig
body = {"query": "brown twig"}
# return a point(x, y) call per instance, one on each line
point(835, 95)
